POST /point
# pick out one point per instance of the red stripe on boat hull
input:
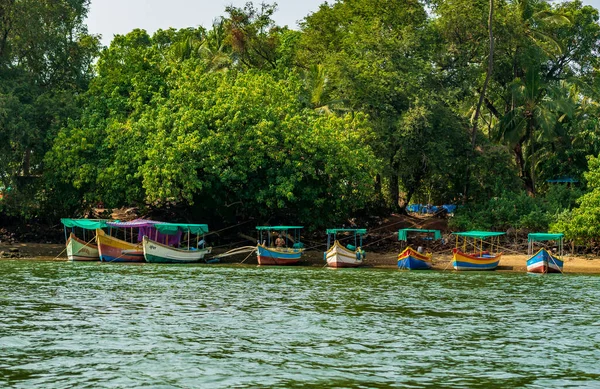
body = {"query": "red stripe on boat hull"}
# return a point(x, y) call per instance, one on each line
point(277, 261)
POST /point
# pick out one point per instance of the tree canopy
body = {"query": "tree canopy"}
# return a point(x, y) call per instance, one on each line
point(368, 107)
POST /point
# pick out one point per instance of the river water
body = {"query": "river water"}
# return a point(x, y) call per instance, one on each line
point(94, 325)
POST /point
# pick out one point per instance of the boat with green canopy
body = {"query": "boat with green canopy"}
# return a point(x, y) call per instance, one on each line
point(82, 249)
point(412, 259)
point(545, 261)
point(352, 255)
point(478, 259)
point(285, 250)
point(173, 233)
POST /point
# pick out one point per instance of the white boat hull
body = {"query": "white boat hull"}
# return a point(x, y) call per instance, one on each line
point(155, 252)
point(339, 256)
point(78, 250)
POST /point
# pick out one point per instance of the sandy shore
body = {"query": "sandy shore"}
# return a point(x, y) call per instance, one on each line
point(509, 263)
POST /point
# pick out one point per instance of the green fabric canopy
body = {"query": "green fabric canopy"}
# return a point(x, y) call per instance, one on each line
point(174, 228)
point(478, 234)
point(540, 237)
point(403, 234)
point(88, 224)
point(359, 231)
point(277, 228)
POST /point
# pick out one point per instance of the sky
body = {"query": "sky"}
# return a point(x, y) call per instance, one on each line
point(110, 17)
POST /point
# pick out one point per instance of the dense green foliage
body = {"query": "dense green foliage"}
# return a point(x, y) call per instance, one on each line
point(368, 107)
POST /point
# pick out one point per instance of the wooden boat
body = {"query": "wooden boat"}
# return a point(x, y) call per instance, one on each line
point(281, 256)
point(82, 249)
point(278, 256)
point(78, 250)
point(411, 259)
point(116, 250)
point(478, 260)
point(543, 261)
point(350, 256)
point(155, 252)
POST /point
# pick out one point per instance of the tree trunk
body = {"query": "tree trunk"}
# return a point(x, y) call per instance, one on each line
point(27, 162)
point(488, 75)
point(395, 189)
point(523, 171)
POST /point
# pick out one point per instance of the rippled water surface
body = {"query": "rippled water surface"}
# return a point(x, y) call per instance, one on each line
point(93, 325)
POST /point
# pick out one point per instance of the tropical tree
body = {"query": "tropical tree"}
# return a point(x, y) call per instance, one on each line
point(46, 57)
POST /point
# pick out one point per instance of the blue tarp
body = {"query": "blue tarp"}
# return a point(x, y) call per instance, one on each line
point(563, 179)
point(430, 209)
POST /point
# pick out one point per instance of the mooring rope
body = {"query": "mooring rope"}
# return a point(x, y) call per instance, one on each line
point(65, 249)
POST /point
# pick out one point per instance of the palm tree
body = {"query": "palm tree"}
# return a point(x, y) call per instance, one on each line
point(214, 48)
point(537, 109)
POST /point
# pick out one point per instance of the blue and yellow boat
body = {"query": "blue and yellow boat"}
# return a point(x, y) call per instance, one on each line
point(478, 259)
point(289, 252)
point(411, 259)
point(543, 261)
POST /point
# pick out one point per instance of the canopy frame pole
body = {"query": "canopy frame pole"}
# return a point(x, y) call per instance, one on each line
point(156, 235)
point(188, 238)
point(560, 247)
point(65, 229)
point(328, 241)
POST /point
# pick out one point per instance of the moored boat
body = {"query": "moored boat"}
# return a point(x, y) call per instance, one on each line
point(477, 260)
point(268, 254)
point(543, 261)
point(155, 252)
point(116, 250)
point(411, 259)
point(82, 249)
point(350, 256)
point(113, 249)
point(79, 250)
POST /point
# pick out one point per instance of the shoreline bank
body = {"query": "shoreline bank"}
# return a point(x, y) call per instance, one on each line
point(508, 263)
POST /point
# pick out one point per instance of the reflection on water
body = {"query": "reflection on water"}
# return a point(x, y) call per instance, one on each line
point(93, 325)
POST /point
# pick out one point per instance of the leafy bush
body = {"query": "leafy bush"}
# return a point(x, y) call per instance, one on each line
point(515, 210)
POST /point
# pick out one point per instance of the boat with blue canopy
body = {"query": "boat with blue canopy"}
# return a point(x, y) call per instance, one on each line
point(285, 250)
point(477, 259)
point(82, 249)
point(168, 250)
point(545, 261)
point(351, 255)
point(411, 259)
